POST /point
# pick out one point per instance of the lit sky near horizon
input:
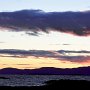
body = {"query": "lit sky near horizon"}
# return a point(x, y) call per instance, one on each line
point(15, 45)
point(52, 41)
point(46, 5)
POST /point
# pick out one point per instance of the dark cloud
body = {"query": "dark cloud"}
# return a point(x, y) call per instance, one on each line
point(32, 33)
point(25, 53)
point(60, 44)
point(77, 23)
point(65, 44)
point(59, 55)
point(68, 51)
point(2, 42)
point(75, 58)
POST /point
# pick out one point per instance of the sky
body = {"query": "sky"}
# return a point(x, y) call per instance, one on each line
point(38, 33)
point(46, 5)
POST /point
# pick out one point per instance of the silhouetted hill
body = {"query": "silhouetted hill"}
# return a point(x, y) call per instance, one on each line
point(48, 71)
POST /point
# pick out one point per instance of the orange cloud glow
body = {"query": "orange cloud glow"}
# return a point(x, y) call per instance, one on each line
point(32, 62)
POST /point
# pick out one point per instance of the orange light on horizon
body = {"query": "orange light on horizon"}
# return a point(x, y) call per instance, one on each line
point(32, 63)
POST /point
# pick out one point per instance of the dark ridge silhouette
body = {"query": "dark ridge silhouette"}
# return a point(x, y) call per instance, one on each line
point(48, 71)
point(35, 21)
point(4, 78)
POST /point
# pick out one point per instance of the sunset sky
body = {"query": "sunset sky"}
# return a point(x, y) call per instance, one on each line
point(29, 42)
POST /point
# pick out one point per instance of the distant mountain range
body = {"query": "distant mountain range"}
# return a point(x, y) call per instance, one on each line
point(47, 71)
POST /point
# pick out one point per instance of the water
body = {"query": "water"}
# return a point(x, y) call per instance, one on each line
point(36, 80)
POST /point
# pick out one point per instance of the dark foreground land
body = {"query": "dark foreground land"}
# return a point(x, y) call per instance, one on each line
point(57, 84)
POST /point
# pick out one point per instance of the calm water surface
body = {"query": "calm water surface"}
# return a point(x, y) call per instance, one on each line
point(36, 80)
